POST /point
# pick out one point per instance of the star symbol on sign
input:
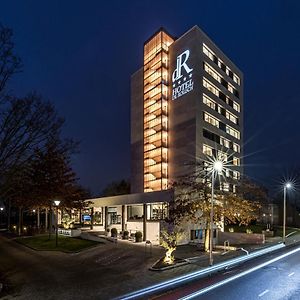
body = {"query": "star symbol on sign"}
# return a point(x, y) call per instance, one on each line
point(191, 75)
point(179, 82)
point(184, 79)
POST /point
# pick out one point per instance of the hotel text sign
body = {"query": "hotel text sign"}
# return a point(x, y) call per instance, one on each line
point(182, 76)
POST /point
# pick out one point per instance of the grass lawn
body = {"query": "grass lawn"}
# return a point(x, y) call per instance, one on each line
point(65, 244)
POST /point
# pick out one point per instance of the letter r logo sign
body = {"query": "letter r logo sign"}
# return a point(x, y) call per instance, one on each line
point(181, 63)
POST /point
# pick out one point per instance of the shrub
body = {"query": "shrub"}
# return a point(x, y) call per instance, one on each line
point(114, 232)
point(138, 236)
point(125, 235)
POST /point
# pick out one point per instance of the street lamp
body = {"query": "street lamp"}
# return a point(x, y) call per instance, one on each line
point(56, 203)
point(217, 168)
point(288, 185)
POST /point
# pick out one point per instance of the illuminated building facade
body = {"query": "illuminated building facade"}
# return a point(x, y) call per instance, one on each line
point(186, 105)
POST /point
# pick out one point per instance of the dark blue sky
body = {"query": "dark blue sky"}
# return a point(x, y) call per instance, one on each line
point(80, 55)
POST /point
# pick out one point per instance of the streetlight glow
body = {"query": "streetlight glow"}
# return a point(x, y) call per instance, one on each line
point(218, 166)
point(56, 202)
point(288, 185)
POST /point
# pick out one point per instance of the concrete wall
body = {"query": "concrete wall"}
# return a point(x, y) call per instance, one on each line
point(137, 133)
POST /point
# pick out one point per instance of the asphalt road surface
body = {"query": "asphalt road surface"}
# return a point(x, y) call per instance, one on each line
point(278, 280)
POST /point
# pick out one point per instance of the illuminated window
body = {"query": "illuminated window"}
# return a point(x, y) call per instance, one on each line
point(209, 53)
point(225, 187)
point(211, 120)
point(224, 142)
point(212, 88)
point(207, 150)
point(236, 106)
point(209, 102)
point(222, 156)
point(231, 117)
point(156, 112)
point(236, 147)
point(233, 132)
point(211, 71)
point(236, 175)
point(235, 161)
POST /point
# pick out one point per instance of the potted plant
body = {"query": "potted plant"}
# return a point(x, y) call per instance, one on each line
point(114, 232)
point(138, 237)
point(125, 235)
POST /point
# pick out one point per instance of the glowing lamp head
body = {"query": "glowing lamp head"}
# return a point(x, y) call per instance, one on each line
point(218, 166)
point(1, 208)
point(56, 202)
point(288, 185)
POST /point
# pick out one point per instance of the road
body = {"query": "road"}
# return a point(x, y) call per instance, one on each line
point(277, 280)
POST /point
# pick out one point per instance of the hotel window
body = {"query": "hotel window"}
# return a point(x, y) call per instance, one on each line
point(207, 150)
point(235, 161)
point(236, 175)
point(236, 147)
point(236, 79)
point(225, 187)
point(224, 142)
point(227, 172)
point(156, 211)
point(209, 102)
point(231, 117)
point(211, 120)
point(221, 64)
point(135, 212)
point(212, 72)
point(210, 87)
point(222, 156)
point(208, 52)
point(233, 132)
point(236, 106)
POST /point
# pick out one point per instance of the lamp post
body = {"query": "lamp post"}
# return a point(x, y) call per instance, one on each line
point(286, 186)
point(217, 167)
point(1, 210)
point(56, 203)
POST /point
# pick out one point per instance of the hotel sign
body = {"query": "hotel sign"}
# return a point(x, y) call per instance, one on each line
point(182, 76)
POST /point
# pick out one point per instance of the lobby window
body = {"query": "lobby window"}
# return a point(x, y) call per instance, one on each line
point(196, 234)
point(156, 211)
point(212, 88)
point(98, 220)
point(209, 102)
point(135, 212)
point(233, 132)
point(113, 217)
point(207, 150)
point(211, 120)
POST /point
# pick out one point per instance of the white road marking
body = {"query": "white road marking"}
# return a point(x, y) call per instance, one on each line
point(263, 293)
point(291, 274)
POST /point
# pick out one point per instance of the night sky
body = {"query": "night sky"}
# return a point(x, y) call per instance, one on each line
point(80, 55)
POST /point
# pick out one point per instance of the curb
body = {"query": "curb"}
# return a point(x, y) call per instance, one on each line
point(199, 274)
